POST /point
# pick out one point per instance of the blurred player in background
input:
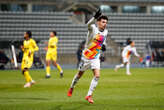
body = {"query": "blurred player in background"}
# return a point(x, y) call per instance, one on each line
point(90, 57)
point(52, 54)
point(79, 52)
point(29, 47)
point(126, 54)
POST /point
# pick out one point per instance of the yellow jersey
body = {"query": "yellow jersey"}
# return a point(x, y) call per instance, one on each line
point(52, 44)
point(29, 46)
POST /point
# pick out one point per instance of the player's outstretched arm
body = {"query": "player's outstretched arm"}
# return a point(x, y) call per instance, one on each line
point(92, 20)
point(135, 53)
point(35, 47)
point(97, 14)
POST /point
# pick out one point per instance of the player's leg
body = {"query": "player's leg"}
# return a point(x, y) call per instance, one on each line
point(48, 69)
point(48, 62)
point(28, 78)
point(25, 71)
point(74, 82)
point(76, 78)
point(95, 66)
point(84, 64)
point(128, 68)
point(58, 67)
point(121, 65)
point(93, 85)
point(54, 58)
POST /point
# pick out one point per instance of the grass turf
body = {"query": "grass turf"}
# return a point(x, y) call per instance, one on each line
point(144, 90)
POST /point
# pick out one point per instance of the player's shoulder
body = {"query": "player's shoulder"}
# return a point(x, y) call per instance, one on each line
point(106, 31)
point(134, 48)
point(32, 40)
point(127, 47)
point(55, 38)
point(93, 26)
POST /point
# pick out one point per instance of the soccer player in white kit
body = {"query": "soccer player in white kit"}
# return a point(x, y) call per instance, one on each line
point(126, 55)
point(95, 42)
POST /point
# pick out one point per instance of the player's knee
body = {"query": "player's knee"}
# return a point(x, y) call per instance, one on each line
point(96, 73)
point(55, 63)
point(97, 78)
point(125, 63)
point(24, 70)
point(47, 63)
point(80, 74)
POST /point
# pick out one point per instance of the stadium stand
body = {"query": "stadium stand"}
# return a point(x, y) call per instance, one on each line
point(122, 0)
point(140, 27)
point(13, 24)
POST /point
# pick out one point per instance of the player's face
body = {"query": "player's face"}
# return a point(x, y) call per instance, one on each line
point(26, 36)
point(132, 44)
point(52, 34)
point(102, 24)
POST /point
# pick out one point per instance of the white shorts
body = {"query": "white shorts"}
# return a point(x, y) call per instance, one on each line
point(125, 59)
point(86, 64)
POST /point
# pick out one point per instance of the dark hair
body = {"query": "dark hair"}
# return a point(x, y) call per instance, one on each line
point(128, 41)
point(29, 34)
point(102, 17)
point(54, 32)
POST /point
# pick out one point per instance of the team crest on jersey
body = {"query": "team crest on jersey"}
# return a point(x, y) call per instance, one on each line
point(94, 47)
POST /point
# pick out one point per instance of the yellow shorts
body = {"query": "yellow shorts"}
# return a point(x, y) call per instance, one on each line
point(26, 62)
point(51, 56)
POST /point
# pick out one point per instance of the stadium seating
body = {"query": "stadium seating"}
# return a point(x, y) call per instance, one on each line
point(14, 24)
point(121, 1)
point(140, 27)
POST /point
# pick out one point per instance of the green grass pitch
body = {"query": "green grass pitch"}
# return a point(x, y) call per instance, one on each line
point(144, 90)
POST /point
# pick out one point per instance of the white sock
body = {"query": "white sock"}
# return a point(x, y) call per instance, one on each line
point(93, 85)
point(128, 68)
point(120, 66)
point(74, 81)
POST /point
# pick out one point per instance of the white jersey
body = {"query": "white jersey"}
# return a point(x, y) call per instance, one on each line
point(94, 41)
point(128, 50)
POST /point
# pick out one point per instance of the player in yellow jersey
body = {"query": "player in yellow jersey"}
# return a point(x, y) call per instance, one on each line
point(52, 54)
point(29, 47)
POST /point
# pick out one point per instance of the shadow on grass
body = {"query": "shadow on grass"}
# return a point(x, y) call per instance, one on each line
point(87, 106)
point(71, 106)
point(131, 106)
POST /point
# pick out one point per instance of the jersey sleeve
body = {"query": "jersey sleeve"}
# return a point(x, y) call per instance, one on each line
point(34, 46)
point(90, 23)
point(135, 52)
point(124, 51)
point(91, 28)
point(23, 47)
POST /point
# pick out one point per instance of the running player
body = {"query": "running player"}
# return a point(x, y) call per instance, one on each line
point(28, 48)
point(90, 57)
point(52, 54)
point(126, 54)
